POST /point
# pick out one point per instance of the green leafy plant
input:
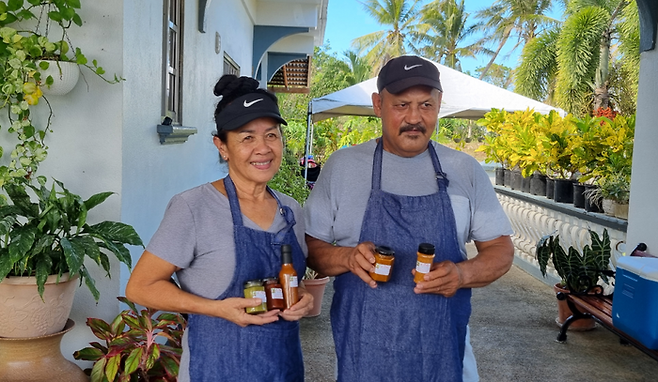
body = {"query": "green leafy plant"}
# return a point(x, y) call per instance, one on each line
point(579, 271)
point(288, 180)
point(131, 351)
point(25, 44)
point(50, 234)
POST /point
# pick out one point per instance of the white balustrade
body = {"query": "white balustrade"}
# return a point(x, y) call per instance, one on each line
point(533, 217)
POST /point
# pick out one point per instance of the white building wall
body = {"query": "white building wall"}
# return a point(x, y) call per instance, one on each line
point(643, 213)
point(85, 149)
point(105, 136)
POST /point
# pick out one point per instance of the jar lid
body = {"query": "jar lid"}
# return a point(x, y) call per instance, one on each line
point(252, 283)
point(426, 248)
point(384, 250)
point(270, 280)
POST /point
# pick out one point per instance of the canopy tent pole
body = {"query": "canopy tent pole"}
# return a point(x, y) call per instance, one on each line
point(309, 138)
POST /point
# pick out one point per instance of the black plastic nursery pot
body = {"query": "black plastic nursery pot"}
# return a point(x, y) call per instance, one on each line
point(538, 184)
point(517, 180)
point(578, 195)
point(563, 190)
point(525, 184)
point(500, 176)
point(592, 206)
point(550, 188)
point(508, 177)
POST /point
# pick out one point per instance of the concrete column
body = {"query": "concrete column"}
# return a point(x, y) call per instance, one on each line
point(643, 213)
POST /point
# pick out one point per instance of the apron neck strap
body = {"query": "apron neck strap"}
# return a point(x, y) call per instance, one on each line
point(236, 213)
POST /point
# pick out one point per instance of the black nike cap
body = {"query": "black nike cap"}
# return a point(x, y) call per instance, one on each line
point(403, 72)
point(245, 109)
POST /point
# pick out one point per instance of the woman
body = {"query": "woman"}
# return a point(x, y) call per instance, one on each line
point(217, 236)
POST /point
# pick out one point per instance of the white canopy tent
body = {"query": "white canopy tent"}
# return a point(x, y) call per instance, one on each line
point(463, 97)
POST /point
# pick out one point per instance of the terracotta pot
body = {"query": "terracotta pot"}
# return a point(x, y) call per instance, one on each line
point(316, 288)
point(38, 359)
point(65, 77)
point(563, 312)
point(25, 314)
point(621, 211)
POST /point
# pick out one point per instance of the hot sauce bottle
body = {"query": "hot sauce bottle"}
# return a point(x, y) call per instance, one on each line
point(425, 258)
point(288, 277)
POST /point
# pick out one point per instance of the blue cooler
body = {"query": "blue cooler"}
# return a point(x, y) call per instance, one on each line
point(635, 301)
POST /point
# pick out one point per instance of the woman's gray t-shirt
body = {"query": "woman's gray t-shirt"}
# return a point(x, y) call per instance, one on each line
point(196, 235)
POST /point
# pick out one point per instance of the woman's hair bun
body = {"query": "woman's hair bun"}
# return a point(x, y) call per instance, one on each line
point(231, 86)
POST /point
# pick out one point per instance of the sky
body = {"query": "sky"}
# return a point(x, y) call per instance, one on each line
point(347, 19)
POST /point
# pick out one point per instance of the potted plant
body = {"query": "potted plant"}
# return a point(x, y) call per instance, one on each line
point(44, 233)
point(27, 52)
point(615, 193)
point(130, 351)
point(580, 272)
point(315, 283)
point(495, 144)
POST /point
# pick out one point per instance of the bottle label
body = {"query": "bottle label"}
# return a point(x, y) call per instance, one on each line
point(293, 282)
point(381, 269)
point(423, 267)
point(277, 293)
point(259, 294)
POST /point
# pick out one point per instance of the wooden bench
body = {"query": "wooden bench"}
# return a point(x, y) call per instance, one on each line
point(599, 307)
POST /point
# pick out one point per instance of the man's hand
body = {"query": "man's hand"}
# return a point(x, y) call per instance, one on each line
point(444, 278)
point(333, 260)
point(493, 260)
point(360, 261)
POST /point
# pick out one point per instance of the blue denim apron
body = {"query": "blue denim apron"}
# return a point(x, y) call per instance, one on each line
point(223, 351)
point(390, 333)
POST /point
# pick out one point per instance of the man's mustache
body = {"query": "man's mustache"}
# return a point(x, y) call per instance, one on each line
point(415, 127)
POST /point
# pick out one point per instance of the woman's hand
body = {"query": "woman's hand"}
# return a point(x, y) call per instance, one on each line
point(301, 308)
point(233, 309)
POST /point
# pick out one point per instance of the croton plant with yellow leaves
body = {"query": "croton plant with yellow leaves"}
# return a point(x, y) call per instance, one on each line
point(26, 27)
point(586, 149)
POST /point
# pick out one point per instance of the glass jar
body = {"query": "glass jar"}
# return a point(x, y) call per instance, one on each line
point(424, 260)
point(255, 289)
point(274, 293)
point(384, 258)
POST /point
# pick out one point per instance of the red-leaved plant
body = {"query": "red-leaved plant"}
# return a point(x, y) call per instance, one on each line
point(130, 352)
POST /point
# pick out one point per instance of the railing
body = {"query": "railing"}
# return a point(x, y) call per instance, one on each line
point(533, 217)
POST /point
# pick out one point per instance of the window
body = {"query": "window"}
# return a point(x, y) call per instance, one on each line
point(173, 59)
point(230, 67)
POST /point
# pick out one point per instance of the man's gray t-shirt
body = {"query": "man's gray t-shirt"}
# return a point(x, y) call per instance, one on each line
point(334, 211)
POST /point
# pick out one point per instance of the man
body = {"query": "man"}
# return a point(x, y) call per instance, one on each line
point(399, 191)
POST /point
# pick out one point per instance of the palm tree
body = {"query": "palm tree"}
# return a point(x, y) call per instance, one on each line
point(358, 69)
point(400, 17)
point(522, 19)
point(442, 31)
point(571, 67)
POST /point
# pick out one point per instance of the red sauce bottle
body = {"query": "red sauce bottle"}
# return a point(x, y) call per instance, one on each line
point(288, 277)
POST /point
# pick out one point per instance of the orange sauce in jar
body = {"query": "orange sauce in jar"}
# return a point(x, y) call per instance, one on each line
point(384, 259)
point(424, 260)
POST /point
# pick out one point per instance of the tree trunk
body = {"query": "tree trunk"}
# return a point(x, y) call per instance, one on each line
point(493, 58)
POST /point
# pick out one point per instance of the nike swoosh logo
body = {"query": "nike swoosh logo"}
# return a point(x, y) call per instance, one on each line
point(411, 67)
point(247, 104)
